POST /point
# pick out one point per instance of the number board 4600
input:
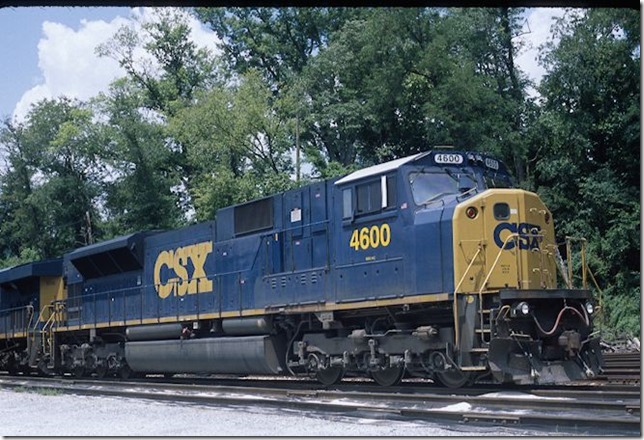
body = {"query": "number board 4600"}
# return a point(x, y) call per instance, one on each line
point(370, 238)
point(448, 158)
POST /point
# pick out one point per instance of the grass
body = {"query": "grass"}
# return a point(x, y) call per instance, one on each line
point(47, 391)
point(41, 391)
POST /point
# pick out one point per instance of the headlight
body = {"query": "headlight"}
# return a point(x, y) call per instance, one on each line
point(590, 308)
point(521, 309)
point(471, 212)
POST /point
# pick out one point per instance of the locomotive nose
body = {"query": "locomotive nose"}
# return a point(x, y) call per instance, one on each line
point(503, 238)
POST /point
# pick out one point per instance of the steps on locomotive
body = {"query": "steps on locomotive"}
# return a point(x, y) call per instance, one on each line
point(478, 354)
point(36, 339)
point(474, 368)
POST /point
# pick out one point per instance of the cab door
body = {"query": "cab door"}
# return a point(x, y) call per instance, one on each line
point(369, 259)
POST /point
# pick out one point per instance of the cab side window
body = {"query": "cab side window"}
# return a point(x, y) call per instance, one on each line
point(368, 198)
point(347, 203)
point(371, 197)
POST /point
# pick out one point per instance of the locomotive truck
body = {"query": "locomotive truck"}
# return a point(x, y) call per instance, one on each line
point(431, 265)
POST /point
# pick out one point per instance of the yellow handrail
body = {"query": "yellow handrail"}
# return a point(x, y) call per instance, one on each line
point(544, 255)
point(455, 299)
point(498, 257)
point(52, 320)
point(584, 267)
point(30, 310)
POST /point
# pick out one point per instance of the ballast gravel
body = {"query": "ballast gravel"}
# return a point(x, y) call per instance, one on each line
point(27, 413)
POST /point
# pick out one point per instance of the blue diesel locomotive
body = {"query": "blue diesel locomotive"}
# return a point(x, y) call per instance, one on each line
point(430, 265)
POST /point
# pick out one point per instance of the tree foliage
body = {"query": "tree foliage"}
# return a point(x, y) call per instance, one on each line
point(138, 193)
point(173, 67)
point(239, 145)
point(52, 181)
point(590, 171)
point(277, 42)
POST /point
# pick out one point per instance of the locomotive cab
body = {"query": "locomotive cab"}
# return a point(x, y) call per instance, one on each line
point(509, 314)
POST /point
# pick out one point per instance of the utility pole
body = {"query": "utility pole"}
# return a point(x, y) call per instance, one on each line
point(297, 147)
point(90, 239)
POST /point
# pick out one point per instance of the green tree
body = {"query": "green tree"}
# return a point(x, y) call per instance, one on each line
point(20, 217)
point(239, 145)
point(589, 170)
point(397, 81)
point(138, 193)
point(496, 108)
point(52, 182)
point(165, 80)
point(69, 160)
point(173, 67)
point(277, 42)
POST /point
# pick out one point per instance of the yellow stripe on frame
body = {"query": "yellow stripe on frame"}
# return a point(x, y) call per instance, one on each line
point(13, 335)
point(309, 308)
point(332, 306)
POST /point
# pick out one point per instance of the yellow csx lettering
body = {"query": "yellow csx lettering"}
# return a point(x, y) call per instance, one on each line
point(177, 260)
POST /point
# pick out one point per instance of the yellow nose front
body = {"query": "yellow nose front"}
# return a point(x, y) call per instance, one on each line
point(503, 238)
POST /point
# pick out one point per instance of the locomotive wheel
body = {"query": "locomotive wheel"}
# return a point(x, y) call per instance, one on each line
point(101, 371)
point(126, 372)
point(13, 369)
point(330, 375)
point(78, 371)
point(43, 369)
point(388, 377)
point(452, 378)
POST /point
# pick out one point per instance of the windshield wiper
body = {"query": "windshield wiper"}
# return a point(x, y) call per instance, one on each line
point(436, 197)
point(450, 173)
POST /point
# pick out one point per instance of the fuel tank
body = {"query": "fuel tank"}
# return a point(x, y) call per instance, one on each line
point(235, 355)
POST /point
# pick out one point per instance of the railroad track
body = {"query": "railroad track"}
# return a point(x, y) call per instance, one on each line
point(582, 389)
point(622, 367)
point(570, 409)
point(598, 388)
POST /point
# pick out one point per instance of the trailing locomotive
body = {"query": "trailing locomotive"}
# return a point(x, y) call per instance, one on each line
point(430, 265)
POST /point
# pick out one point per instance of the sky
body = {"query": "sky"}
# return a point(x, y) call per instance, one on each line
point(47, 52)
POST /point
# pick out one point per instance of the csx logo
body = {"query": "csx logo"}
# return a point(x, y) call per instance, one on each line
point(526, 232)
point(180, 261)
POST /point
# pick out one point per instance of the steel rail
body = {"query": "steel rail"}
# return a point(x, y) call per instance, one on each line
point(597, 389)
point(418, 386)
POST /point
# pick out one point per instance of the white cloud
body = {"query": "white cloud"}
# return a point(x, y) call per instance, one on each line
point(68, 64)
point(537, 31)
point(70, 67)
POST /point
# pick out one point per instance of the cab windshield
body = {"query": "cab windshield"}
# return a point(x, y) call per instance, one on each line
point(429, 186)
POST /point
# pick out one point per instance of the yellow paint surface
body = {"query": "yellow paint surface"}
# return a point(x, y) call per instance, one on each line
point(51, 289)
point(475, 247)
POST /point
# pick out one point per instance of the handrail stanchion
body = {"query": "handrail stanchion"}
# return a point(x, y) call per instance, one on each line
point(455, 298)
